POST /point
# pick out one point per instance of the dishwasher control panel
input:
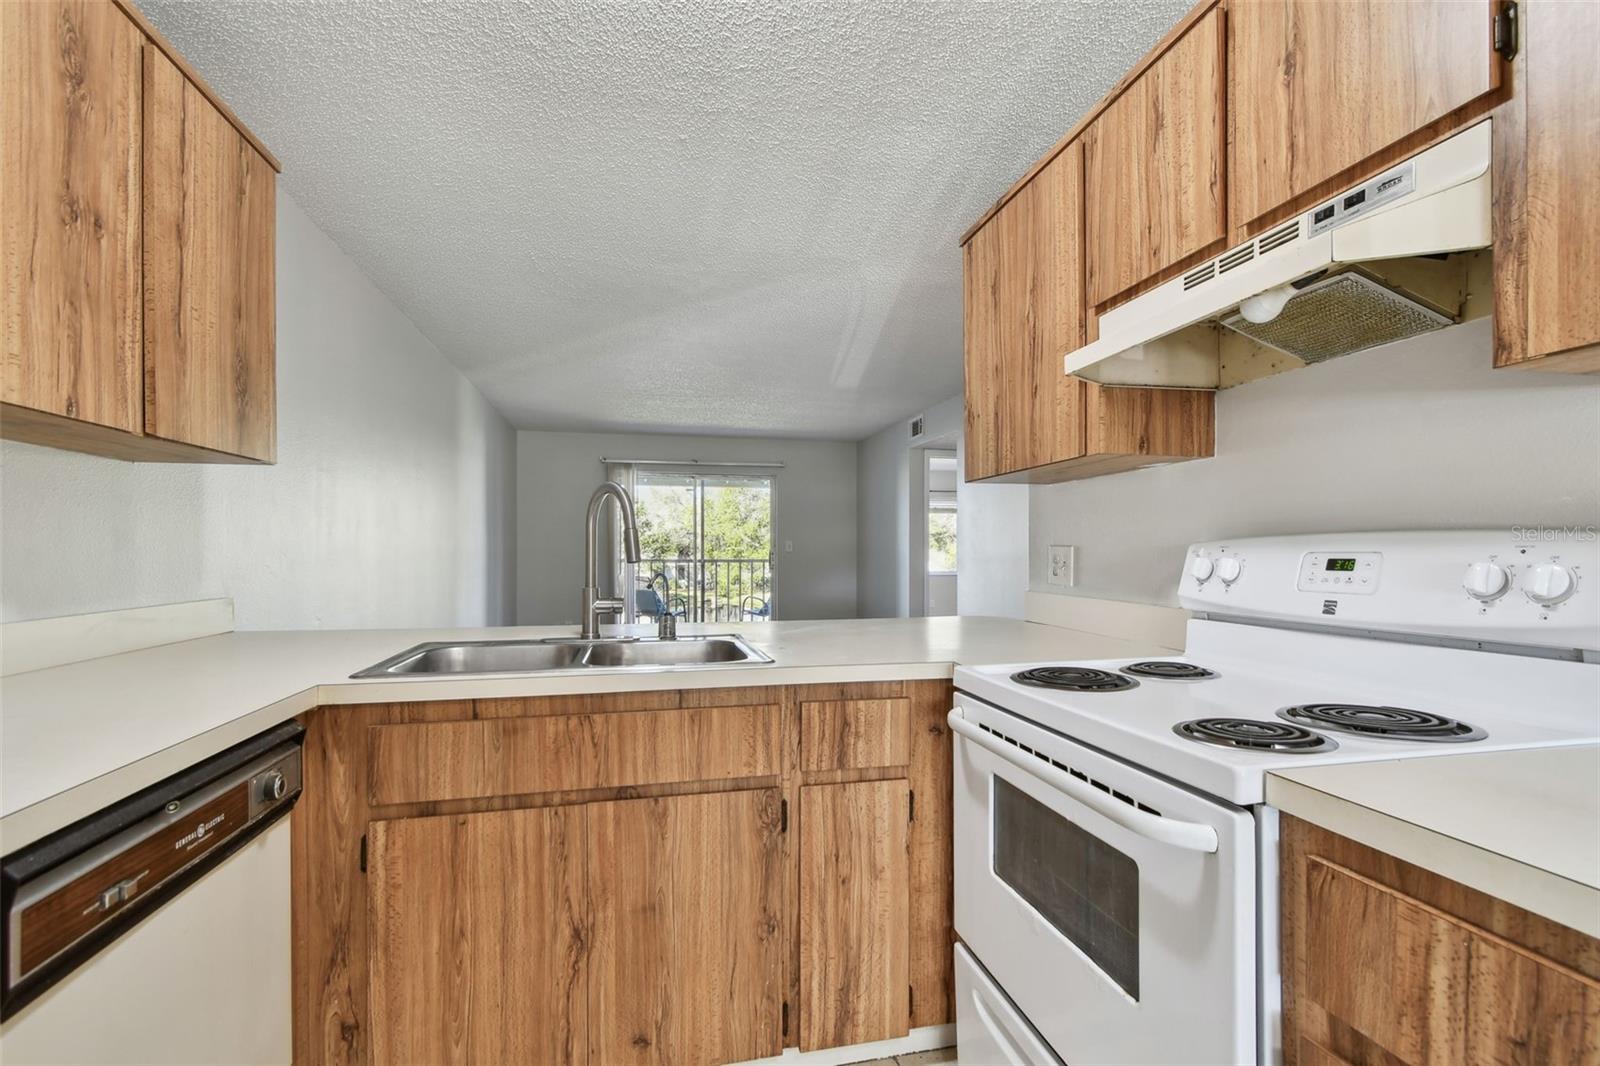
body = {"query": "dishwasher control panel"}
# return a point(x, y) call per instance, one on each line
point(68, 896)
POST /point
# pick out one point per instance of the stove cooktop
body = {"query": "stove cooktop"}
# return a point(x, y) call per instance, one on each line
point(1279, 699)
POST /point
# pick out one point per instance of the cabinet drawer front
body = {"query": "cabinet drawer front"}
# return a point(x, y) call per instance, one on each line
point(852, 734)
point(1431, 988)
point(424, 761)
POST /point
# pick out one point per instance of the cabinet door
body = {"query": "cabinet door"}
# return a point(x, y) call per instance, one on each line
point(1024, 312)
point(1562, 96)
point(1153, 167)
point(985, 391)
point(69, 210)
point(854, 933)
point(1316, 88)
point(686, 964)
point(209, 304)
point(477, 938)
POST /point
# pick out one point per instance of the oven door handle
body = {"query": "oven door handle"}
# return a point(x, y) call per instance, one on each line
point(1191, 836)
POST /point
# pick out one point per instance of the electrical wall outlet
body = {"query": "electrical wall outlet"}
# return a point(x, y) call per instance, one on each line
point(1063, 564)
point(788, 545)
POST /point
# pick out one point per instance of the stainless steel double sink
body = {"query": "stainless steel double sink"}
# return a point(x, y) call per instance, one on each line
point(564, 653)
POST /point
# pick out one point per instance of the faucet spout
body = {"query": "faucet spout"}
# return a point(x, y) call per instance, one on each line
point(593, 605)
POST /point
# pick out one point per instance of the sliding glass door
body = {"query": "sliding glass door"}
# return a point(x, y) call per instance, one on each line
point(706, 545)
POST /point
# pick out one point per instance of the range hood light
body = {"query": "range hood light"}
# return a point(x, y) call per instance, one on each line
point(1266, 306)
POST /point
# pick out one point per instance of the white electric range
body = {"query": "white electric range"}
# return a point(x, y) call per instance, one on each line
point(1115, 869)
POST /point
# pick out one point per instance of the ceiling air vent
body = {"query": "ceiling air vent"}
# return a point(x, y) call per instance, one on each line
point(916, 427)
point(1199, 275)
point(1279, 237)
point(1238, 257)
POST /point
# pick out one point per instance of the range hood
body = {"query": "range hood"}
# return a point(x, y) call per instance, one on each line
point(1374, 264)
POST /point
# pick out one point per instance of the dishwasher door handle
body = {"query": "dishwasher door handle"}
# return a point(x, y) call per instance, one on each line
point(1190, 836)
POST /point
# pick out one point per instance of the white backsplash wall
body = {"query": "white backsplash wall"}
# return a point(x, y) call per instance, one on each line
point(1419, 434)
point(391, 504)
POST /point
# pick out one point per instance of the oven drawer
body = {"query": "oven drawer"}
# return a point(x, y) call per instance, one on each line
point(989, 1028)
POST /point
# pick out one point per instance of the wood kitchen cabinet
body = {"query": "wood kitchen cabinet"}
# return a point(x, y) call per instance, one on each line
point(138, 307)
point(854, 931)
point(1385, 962)
point(1546, 214)
point(1024, 301)
point(1154, 167)
point(1322, 95)
point(477, 921)
point(622, 877)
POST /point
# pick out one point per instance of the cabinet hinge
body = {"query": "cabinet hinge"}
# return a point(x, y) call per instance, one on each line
point(783, 823)
point(1505, 32)
point(785, 1017)
point(911, 808)
point(363, 853)
point(911, 999)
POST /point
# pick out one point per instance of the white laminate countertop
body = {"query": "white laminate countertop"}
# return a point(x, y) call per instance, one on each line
point(76, 738)
point(1522, 826)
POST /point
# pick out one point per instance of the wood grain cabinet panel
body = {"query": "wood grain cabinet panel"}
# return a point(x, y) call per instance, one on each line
point(1317, 89)
point(854, 971)
point(1387, 963)
point(478, 927)
point(209, 303)
point(852, 734)
point(423, 761)
point(1153, 165)
point(984, 389)
point(69, 212)
point(686, 964)
point(1561, 92)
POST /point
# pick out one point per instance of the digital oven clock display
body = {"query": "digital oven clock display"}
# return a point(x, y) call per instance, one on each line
point(1341, 564)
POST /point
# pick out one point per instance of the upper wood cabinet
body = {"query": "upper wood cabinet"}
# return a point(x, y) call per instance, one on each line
point(1318, 91)
point(1025, 419)
point(1153, 162)
point(137, 220)
point(209, 308)
point(70, 165)
point(1547, 215)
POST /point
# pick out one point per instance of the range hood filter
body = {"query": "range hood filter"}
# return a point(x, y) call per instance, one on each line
point(1346, 313)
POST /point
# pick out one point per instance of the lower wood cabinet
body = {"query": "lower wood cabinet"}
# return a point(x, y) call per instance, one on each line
point(673, 877)
point(1386, 963)
point(686, 953)
point(854, 926)
point(478, 926)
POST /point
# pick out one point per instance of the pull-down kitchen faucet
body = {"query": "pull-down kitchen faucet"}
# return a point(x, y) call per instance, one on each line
point(593, 604)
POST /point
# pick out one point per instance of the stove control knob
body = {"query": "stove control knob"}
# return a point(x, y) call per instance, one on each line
point(1229, 568)
point(1202, 567)
point(273, 786)
point(1485, 580)
point(1549, 583)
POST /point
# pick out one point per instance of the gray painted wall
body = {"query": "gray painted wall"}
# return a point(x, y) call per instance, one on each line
point(390, 504)
point(1419, 434)
point(814, 507)
point(991, 528)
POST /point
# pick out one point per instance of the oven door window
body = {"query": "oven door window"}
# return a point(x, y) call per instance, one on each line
point(1084, 887)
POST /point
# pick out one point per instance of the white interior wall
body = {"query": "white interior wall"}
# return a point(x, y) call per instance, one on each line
point(814, 507)
point(390, 504)
point(1419, 434)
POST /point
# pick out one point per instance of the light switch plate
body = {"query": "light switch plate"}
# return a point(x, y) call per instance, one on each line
point(1063, 565)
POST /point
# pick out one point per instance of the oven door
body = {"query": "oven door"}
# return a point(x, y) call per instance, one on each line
point(1115, 908)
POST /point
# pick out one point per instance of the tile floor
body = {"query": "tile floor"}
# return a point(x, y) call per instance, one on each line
point(919, 1058)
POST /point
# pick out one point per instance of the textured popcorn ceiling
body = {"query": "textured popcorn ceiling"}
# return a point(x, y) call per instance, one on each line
point(673, 216)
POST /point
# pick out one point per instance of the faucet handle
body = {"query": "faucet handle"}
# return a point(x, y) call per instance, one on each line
point(667, 626)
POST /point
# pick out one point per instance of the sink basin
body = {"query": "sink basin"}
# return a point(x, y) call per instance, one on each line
point(535, 656)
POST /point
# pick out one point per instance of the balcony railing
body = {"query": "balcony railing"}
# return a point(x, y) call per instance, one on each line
point(705, 590)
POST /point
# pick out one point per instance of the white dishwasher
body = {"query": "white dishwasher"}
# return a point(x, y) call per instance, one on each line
point(157, 930)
